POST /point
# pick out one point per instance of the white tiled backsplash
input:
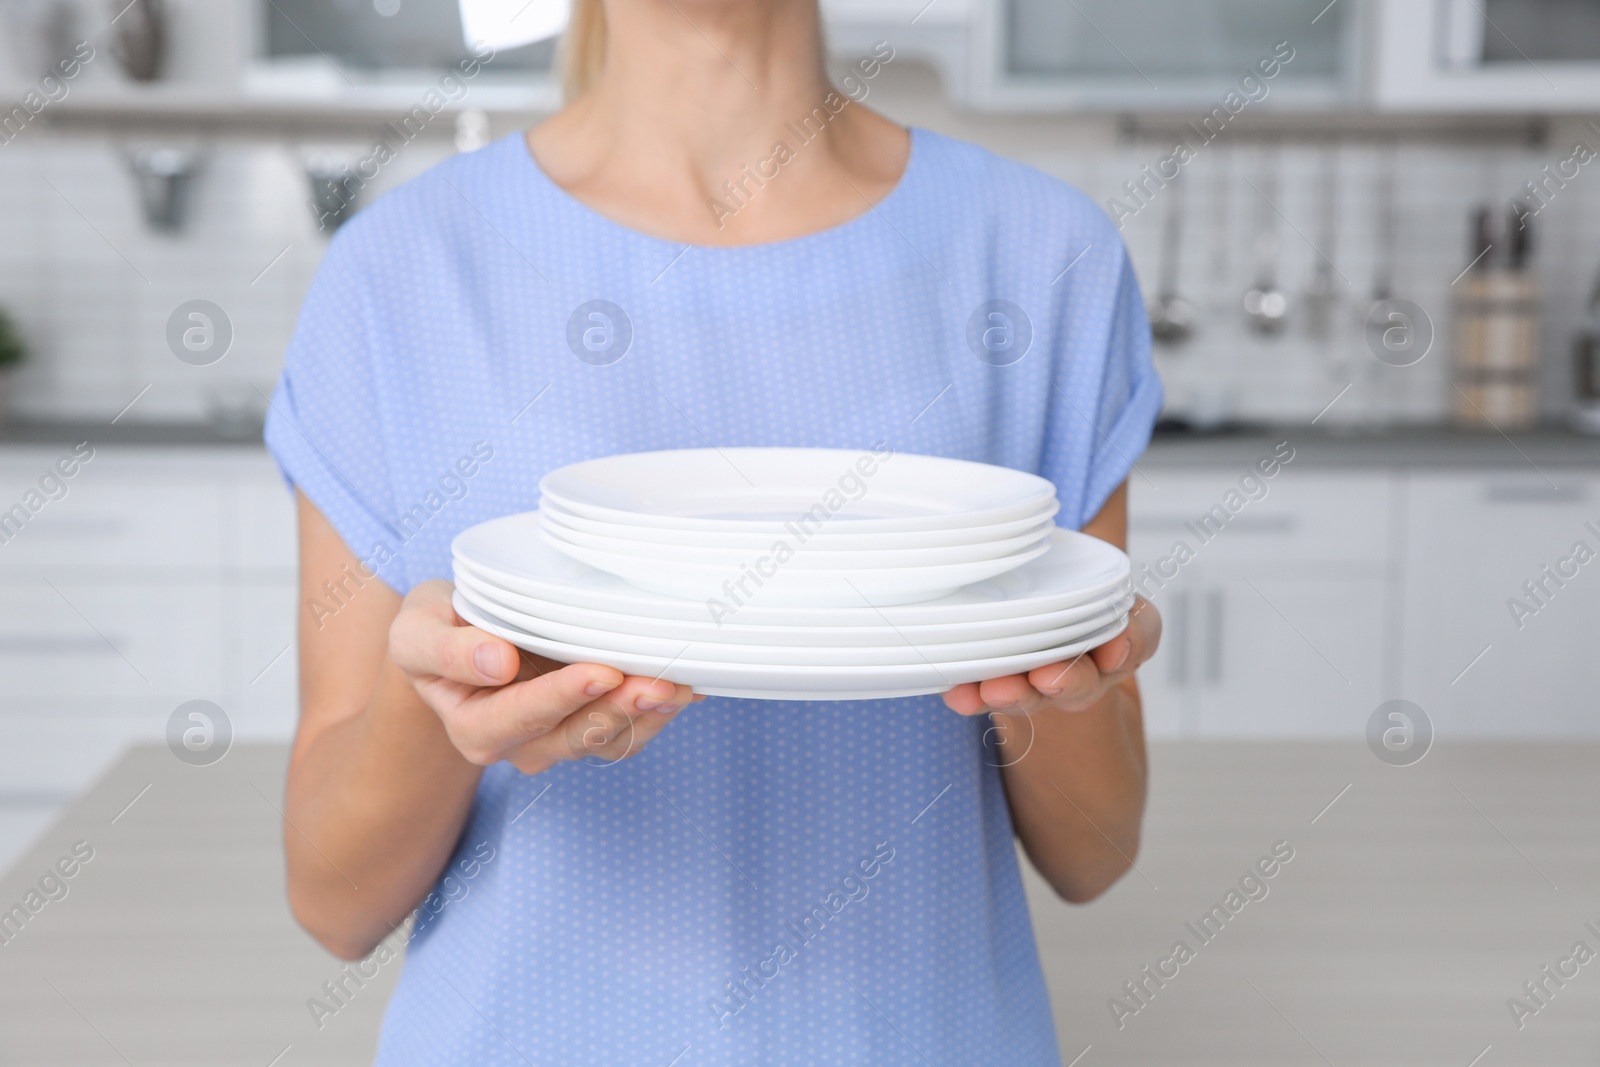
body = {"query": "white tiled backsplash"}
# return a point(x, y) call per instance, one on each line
point(93, 288)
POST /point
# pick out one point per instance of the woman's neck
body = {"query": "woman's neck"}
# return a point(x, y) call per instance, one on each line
point(714, 123)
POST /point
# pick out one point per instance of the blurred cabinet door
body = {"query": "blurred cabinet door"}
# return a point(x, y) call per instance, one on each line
point(1189, 53)
point(1473, 661)
point(1297, 576)
point(1526, 56)
point(159, 575)
point(1290, 656)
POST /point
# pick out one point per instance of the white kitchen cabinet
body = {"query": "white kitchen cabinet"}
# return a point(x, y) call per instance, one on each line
point(1250, 653)
point(1046, 55)
point(1469, 661)
point(1280, 656)
point(260, 522)
point(1522, 56)
point(119, 510)
point(111, 646)
point(160, 576)
point(264, 697)
point(1276, 627)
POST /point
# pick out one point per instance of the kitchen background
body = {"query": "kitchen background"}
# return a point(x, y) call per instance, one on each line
point(184, 162)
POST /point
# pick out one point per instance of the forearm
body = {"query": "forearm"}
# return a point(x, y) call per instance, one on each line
point(1075, 781)
point(375, 805)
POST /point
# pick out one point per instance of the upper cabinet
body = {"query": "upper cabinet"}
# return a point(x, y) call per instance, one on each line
point(1487, 55)
point(1522, 56)
point(1166, 54)
point(1185, 58)
point(317, 49)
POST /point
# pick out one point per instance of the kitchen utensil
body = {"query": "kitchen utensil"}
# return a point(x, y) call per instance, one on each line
point(1480, 254)
point(139, 37)
point(777, 682)
point(335, 191)
point(1322, 294)
point(40, 33)
point(1265, 305)
point(780, 490)
point(236, 410)
point(1519, 236)
point(165, 178)
point(507, 554)
point(1585, 414)
point(1386, 222)
point(1376, 318)
point(1496, 352)
point(1171, 316)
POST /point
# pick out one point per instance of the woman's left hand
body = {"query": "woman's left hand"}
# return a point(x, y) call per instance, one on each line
point(1075, 685)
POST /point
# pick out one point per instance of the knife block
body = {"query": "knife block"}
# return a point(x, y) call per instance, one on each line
point(1496, 352)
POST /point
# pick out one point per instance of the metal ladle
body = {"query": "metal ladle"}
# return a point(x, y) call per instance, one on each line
point(1322, 295)
point(165, 177)
point(1171, 316)
point(1265, 305)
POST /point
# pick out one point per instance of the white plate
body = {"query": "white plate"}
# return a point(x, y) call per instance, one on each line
point(822, 635)
point(758, 490)
point(506, 553)
point(834, 536)
point(763, 580)
point(804, 554)
point(608, 641)
point(795, 683)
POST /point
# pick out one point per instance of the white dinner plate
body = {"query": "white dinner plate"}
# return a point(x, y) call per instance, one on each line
point(758, 490)
point(768, 682)
point(804, 556)
point(506, 553)
point(766, 580)
point(608, 641)
point(882, 633)
point(833, 536)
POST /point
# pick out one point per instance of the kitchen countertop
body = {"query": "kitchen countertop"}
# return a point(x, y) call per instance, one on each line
point(18, 432)
point(1314, 446)
point(1408, 447)
point(1418, 899)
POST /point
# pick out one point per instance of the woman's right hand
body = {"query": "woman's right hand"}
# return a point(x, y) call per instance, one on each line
point(499, 703)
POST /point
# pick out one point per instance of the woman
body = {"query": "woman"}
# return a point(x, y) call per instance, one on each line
point(757, 882)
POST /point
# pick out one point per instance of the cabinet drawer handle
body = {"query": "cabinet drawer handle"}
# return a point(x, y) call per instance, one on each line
point(1178, 662)
point(1258, 524)
point(1214, 623)
point(29, 644)
point(1533, 493)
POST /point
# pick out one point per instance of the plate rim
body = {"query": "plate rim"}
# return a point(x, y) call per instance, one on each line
point(1005, 664)
point(549, 487)
point(1104, 618)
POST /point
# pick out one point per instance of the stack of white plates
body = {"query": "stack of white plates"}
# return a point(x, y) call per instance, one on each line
point(799, 574)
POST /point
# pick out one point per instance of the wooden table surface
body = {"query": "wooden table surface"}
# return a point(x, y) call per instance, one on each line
point(1414, 907)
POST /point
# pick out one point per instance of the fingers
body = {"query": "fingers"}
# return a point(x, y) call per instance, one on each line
point(576, 712)
point(427, 639)
point(1114, 654)
point(964, 700)
point(490, 723)
point(1144, 631)
point(1013, 694)
point(612, 728)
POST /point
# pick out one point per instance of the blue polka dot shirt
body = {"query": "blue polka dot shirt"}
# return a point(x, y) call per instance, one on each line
point(766, 883)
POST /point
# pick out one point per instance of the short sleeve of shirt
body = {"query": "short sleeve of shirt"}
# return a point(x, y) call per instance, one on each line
point(324, 428)
point(1113, 403)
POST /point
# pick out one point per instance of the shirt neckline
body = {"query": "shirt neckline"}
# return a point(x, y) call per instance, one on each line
point(572, 205)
